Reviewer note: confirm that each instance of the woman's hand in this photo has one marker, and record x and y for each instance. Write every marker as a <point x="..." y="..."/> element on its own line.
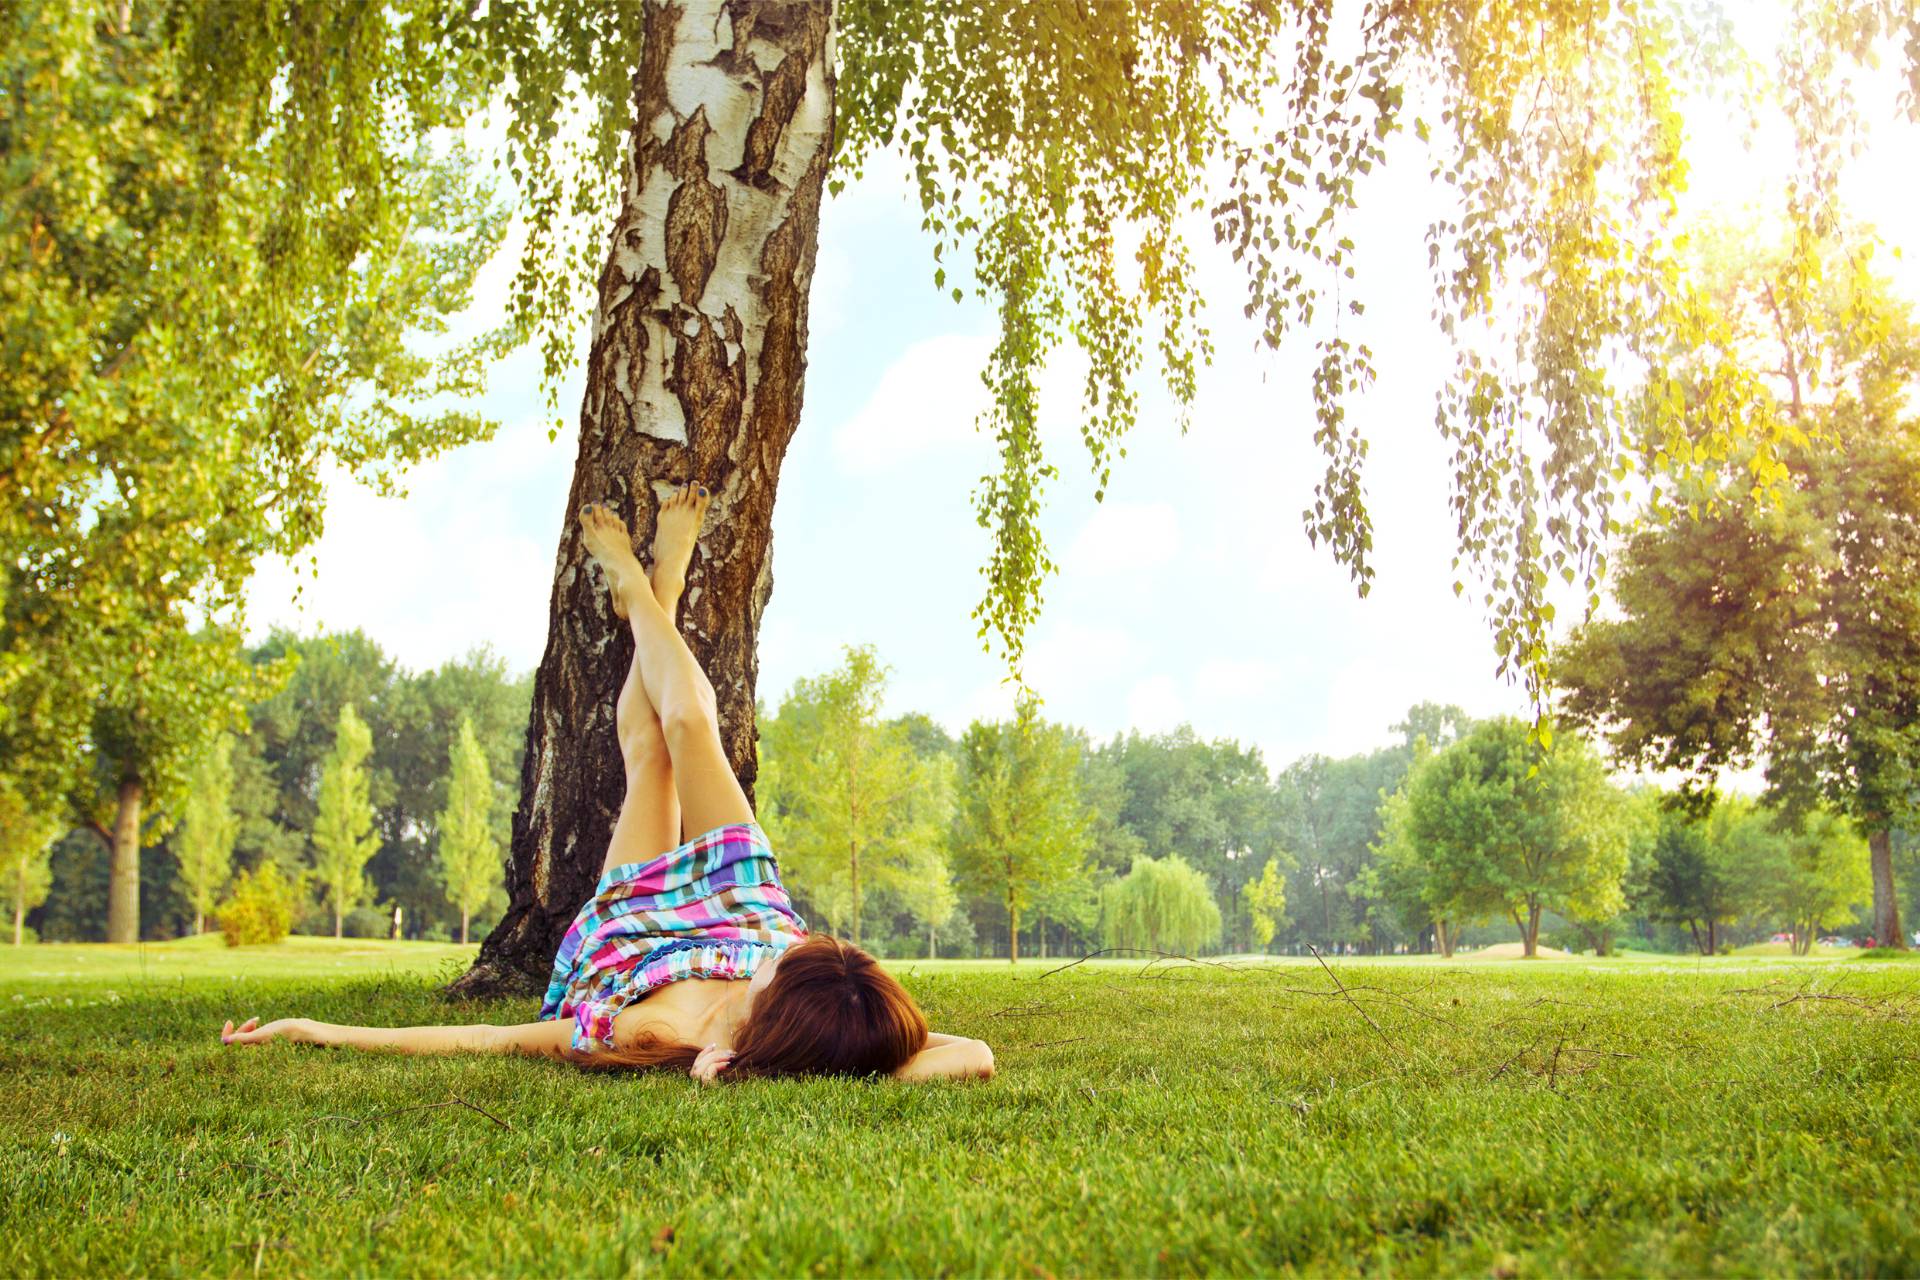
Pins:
<point x="297" y="1030"/>
<point x="711" y="1062"/>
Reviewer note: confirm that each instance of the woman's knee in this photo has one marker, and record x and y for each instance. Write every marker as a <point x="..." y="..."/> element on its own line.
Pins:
<point x="690" y="719"/>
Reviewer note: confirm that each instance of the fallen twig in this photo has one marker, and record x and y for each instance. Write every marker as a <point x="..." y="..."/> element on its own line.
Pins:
<point x="1141" y="951"/>
<point x="1037" y="1008"/>
<point x="1069" y="1040"/>
<point x="1343" y="991"/>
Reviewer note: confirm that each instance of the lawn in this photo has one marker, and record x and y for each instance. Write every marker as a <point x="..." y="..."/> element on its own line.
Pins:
<point x="1732" y="1116"/>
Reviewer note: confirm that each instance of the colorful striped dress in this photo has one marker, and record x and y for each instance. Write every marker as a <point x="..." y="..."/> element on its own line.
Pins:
<point x="712" y="908"/>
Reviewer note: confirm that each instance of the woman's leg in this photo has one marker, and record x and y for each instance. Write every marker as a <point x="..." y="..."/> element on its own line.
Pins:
<point x="649" y="822"/>
<point x="670" y="676"/>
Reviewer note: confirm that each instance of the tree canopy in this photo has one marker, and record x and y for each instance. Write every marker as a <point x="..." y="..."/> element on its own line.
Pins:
<point x="1789" y="628"/>
<point x="1507" y="826"/>
<point x="1075" y="151"/>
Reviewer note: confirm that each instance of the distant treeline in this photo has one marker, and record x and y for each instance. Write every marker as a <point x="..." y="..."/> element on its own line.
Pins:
<point x="1031" y="834"/>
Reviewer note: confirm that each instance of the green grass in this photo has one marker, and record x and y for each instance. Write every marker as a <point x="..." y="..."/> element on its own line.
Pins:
<point x="1675" y="1117"/>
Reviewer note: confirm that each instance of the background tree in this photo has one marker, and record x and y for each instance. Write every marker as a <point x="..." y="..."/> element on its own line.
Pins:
<point x="1790" y="628"/>
<point x="1209" y="801"/>
<point x="850" y="804"/>
<point x="1405" y="880"/>
<point x="1266" y="900"/>
<point x="343" y="835"/>
<point x="1329" y="813"/>
<point x="145" y="194"/>
<point x="1161" y="904"/>
<point x="208" y="831"/>
<point x="1020" y="827"/>
<point x="1691" y="880"/>
<point x="1519" y="825"/>
<point x="1808" y="870"/>
<point x="26" y="840"/>
<point x="469" y="858"/>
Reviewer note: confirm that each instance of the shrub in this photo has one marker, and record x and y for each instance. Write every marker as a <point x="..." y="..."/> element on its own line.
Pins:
<point x="260" y="908"/>
<point x="367" y="922"/>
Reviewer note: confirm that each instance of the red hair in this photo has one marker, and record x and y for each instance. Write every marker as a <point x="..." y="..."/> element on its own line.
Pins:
<point x="830" y="1009"/>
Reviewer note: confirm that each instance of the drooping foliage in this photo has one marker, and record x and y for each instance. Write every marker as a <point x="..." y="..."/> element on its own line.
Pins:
<point x="1076" y="151"/>
<point x="1163" y="905"/>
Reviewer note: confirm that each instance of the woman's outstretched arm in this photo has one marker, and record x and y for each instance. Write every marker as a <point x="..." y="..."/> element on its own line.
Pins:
<point x="550" y="1039"/>
<point x="948" y="1058"/>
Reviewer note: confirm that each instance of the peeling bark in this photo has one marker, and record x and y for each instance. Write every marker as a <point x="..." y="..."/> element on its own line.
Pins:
<point x="695" y="372"/>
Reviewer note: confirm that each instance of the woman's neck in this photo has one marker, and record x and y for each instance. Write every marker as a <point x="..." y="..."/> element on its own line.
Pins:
<point x="724" y="1016"/>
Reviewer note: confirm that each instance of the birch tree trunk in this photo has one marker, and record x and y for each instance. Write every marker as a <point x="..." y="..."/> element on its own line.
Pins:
<point x="123" y="866"/>
<point x="695" y="372"/>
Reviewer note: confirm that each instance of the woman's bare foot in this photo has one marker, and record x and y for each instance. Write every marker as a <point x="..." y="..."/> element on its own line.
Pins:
<point x="674" y="534"/>
<point x="611" y="547"/>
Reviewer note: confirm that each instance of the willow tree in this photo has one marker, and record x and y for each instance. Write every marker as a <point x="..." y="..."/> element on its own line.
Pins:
<point x="1063" y="154"/>
<point x="1161" y="903"/>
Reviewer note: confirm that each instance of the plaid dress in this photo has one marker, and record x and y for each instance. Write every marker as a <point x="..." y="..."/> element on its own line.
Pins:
<point x="712" y="908"/>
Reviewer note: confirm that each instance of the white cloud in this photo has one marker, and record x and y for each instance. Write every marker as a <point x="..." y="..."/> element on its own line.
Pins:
<point x="1123" y="537"/>
<point x="465" y="559"/>
<point x="1155" y="705"/>
<point x="1070" y="658"/>
<point x="1235" y="679"/>
<point x="925" y="401"/>
<point x="990" y="701"/>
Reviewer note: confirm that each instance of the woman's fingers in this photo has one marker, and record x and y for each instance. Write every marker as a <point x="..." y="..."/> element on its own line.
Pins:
<point x="242" y="1034"/>
<point x="711" y="1061"/>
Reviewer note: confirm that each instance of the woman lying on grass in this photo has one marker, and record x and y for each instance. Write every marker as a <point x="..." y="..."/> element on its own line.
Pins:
<point x="698" y="946"/>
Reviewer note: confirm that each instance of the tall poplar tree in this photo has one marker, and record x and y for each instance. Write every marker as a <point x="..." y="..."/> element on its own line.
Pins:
<point x="849" y="804"/>
<point x="1020" y="826"/>
<point x="26" y="847"/>
<point x="208" y="831"/>
<point x="469" y="861"/>
<point x="343" y="834"/>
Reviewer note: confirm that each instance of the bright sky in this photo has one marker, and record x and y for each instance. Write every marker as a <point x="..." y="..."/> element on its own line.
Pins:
<point x="1189" y="595"/>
